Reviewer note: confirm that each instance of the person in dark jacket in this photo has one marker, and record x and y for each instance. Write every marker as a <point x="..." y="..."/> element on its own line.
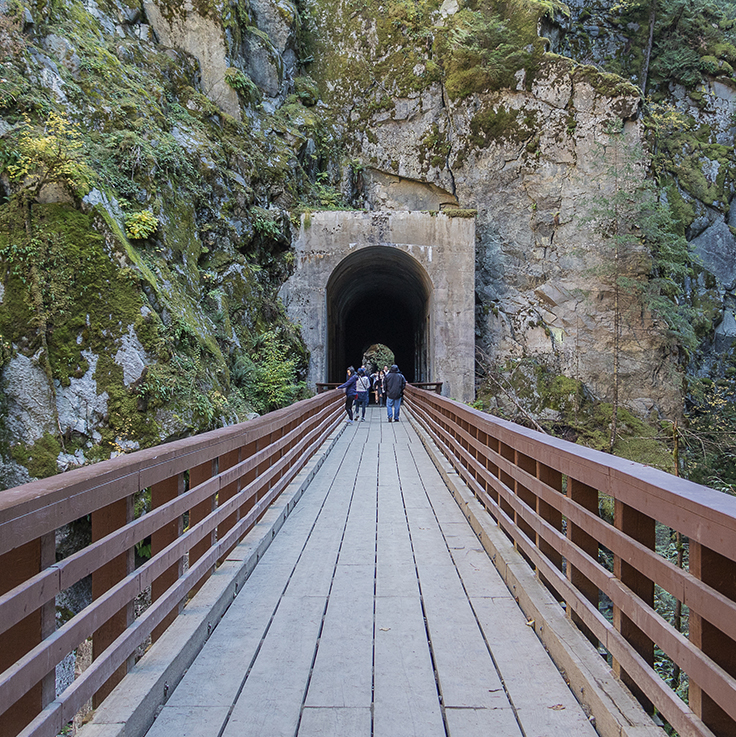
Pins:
<point x="362" y="387"/>
<point x="350" y="393"/>
<point x="393" y="385"/>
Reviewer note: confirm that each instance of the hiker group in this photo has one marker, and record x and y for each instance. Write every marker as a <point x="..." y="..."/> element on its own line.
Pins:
<point x="387" y="387"/>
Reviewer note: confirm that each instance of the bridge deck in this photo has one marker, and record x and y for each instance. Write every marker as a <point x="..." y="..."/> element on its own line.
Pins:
<point x="374" y="612"/>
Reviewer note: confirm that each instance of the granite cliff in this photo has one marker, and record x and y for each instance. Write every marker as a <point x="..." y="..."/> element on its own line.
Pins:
<point x="155" y="155"/>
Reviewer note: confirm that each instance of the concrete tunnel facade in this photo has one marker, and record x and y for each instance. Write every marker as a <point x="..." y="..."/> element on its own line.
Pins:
<point x="404" y="279"/>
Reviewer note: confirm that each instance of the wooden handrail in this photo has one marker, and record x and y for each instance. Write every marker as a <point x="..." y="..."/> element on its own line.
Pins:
<point x="435" y="386"/>
<point x="544" y="494"/>
<point x="235" y="473"/>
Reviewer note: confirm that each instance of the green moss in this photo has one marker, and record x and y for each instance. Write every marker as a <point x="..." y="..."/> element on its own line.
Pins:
<point x="499" y="124"/>
<point x="39" y="457"/>
<point x="434" y="148"/>
<point x="243" y="85"/>
<point x="459" y="213"/>
<point x="609" y="85"/>
<point x="580" y="417"/>
<point x="87" y="297"/>
<point x="683" y="212"/>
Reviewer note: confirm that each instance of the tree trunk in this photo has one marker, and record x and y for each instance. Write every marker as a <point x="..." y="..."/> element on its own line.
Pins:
<point x="36" y="288"/>
<point x="616" y="348"/>
<point x="648" y="50"/>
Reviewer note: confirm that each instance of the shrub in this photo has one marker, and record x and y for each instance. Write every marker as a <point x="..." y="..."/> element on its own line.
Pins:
<point x="141" y="225"/>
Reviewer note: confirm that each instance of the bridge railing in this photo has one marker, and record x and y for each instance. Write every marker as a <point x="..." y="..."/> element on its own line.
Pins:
<point x="546" y="493"/>
<point x="206" y="492"/>
<point x="434" y="386"/>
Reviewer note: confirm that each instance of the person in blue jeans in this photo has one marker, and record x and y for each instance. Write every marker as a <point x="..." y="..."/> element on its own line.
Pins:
<point x="362" y="387"/>
<point x="393" y="385"/>
<point x="350" y="392"/>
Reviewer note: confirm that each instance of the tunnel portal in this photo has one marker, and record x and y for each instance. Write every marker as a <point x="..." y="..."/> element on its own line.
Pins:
<point x="402" y="278"/>
<point x="378" y="294"/>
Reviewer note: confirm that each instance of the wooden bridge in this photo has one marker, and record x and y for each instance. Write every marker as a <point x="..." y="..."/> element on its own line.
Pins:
<point x="450" y="574"/>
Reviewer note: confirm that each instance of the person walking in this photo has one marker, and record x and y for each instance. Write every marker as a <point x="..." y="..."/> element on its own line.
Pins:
<point x="394" y="384"/>
<point x="350" y="392"/>
<point x="378" y="387"/>
<point x="362" y="387"/>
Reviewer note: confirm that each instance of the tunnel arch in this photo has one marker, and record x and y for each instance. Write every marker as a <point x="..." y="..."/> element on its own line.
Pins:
<point x="379" y="294"/>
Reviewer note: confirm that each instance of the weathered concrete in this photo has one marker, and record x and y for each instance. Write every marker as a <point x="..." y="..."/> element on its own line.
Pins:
<point x="423" y="262"/>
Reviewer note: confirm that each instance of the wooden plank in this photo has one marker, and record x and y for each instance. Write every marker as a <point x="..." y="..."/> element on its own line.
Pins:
<point x="479" y="575"/>
<point x="335" y="722"/>
<point x="482" y="723"/>
<point x="395" y="570"/>
<point x="467" y="675"/>
<point x="544" y="703"/>
<point x="271" y="700"/>
<point x="406" y="701"/>
<point x="343" y="671"/>
<point x="217" y="674"/>
<point x="189" y="721"/>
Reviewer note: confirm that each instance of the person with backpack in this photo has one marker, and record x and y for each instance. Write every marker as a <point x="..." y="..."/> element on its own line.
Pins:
<point x="350" y="392"/>
<point x="362" y="388"/>
<point x="393" y="385"/>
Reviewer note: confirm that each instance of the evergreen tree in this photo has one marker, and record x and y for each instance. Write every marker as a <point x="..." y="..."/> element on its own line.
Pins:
<point x="643" y="260"/>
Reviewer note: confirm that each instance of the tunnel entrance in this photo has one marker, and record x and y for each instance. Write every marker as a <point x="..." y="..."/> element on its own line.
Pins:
<point x="378" y="294"/>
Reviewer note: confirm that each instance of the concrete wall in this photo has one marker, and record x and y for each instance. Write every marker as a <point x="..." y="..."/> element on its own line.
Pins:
<point x="443" y="246"/>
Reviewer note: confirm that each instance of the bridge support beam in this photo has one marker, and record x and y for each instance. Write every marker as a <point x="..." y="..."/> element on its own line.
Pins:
<point x="641" y="528"/>
<point x="18" y="566"/>
<point x="104" y="521"/>
<point x="161" y="493"/>
<point x="720" y="573"/>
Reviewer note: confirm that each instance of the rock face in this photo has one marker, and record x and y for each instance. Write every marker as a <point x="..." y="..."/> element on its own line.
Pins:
<point x="695" y="93"/>
<point x="530" y="159"/>
<point x="199" y="118"/>
<point x="204" y="39"/>
<point x="256" y="39"/>
<point x="113" y="338"/>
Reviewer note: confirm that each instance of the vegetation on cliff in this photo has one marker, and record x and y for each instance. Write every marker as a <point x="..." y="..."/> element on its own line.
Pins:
<point x="161" y="232"/>
<point x="144" y="233"/>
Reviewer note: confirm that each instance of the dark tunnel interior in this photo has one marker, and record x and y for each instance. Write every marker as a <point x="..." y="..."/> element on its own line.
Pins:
<point x="378" y="294"/>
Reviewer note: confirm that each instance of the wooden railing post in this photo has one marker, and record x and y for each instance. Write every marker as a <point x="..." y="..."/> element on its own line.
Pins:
<point x="586" y="496"/>
<point x="104" y="521"/>
<point x="553" y="479"/>
<point x="720" y="573"/>
<point x="17" y="566"/>
<point x="642" y="529"/>
<point x="228" y="460"/>
<point x="161" y="493"/>
<point x="527" y="496"/>
<point x="199" y="512"/>
<point x="246" y="452"/>
<point x="507" y="452"/>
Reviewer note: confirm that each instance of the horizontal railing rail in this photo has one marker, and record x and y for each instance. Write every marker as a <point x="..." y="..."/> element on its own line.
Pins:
<point x="434" y="386"/>
<point x="545" y="494"/>
<point x="206" y="493"/>
<point x="431" y="386"/>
